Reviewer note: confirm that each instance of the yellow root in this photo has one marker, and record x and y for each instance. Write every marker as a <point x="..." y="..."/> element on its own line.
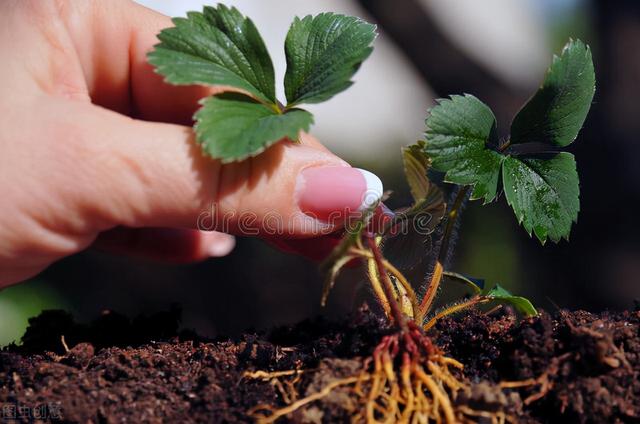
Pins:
<point x="276" y="414"/>
<point x="542" y="381"/>
<point x="289" y="393"/>
<point x="495" y="417"/>
<point x="411" y="394"/>
<point x="263" y="375"/>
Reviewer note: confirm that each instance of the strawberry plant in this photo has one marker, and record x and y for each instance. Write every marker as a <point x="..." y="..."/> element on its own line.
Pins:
<point x="407" y="379"/>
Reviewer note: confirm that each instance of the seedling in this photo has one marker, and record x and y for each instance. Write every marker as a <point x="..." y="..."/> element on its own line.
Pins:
<point x="408" y="379"/>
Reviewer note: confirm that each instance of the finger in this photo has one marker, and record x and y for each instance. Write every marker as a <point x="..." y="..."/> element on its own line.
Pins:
<point x="311" y="141"/>
<point x="316" y="249"/>
<point x="166" y="245"/>
<point x="145" y="174"/>
<point x="114" y="60"/>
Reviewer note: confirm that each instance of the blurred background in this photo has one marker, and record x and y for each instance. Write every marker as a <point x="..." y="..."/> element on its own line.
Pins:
<point x="497" y="50"/>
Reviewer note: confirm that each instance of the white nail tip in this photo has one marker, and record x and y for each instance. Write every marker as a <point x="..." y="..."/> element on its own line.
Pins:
<point x="374" y="190"/>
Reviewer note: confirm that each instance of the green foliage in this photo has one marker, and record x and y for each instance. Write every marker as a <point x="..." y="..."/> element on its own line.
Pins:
<point x="233" y="126"/>
<point x="541" y="186"/>
<point x="474" y="284"/>
<point x="521" y="304"/>
<point x="323" y="52"/>
<point x="216" y="47"/>
<point x="543" y="194"/>
<point x="497" y="293"/>
<point x="556" y="113"/>
<point x="458" y="132"/>
<point x="220" y="47"/>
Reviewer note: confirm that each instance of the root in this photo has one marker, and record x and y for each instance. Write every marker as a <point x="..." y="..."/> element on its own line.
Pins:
<point x="406" y="380"/>
<point x="287" y="389"/>
<point x="494" y="417"/>
<point x="64" y="344"/>
<point x="277" y="413"/>
<point x="544" y="380"/>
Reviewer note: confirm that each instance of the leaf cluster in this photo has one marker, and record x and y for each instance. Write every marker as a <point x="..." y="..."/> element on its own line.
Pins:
<point x="539" y="181"/>
<point x="220" y="47"/>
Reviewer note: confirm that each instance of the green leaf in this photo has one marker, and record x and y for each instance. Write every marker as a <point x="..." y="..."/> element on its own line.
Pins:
<point x="543" y="191"/>
<point x="458" y="132"/>
<point x="474" y="284"/>
<point x="544" y="194"/>
<point x="522" y="304"/>
<point x="556" y="113"/>
<point x="232" y="126"/>
<point x="323" y="52"/>
<point x="216" y="47"/>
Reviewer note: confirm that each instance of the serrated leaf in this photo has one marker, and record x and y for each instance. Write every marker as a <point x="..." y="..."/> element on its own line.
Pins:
<point x="522" y="304"/>
<point x="217" y="47"/>
<point x="323" y="52"/>
<point x="232" y="127"/>
<point x="458" y="132"/>
<point x="544" y="194"/>
<point x="556" y="113"/>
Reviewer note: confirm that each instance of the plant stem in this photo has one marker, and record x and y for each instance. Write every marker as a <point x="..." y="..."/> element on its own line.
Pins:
<point x="377" y="285"/>
<point x="504" y="147"/>
<point x="411" y="294"/>
<point x="455" y="308"/>
<point x="436" y="277"/>
<point x="432" y="289"/>
<point x="387" y="286"/>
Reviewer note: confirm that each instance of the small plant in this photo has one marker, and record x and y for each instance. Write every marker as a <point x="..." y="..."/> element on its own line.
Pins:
<point x="407" y="379"/>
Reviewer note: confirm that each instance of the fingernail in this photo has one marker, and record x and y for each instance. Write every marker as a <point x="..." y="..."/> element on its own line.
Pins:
<point x="334" y="192"/>
<point x="220" y="244"/>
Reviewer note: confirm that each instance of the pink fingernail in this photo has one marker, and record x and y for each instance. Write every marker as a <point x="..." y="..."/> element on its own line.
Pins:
<point x="334" y="192"/>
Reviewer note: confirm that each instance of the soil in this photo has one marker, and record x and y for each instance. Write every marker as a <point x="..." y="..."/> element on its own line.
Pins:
<point x="581" y="367"/>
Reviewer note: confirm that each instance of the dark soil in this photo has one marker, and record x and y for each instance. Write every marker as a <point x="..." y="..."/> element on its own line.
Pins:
<point x="117" y="370"/>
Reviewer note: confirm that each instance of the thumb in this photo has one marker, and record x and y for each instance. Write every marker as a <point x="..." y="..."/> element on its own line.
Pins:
<point x="157" y="177"/>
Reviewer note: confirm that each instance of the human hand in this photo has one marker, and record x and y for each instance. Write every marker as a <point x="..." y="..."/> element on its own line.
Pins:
<point x="95" y="148"/>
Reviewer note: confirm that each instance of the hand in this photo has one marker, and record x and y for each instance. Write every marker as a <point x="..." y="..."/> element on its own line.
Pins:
<point x="94" y="146"/>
